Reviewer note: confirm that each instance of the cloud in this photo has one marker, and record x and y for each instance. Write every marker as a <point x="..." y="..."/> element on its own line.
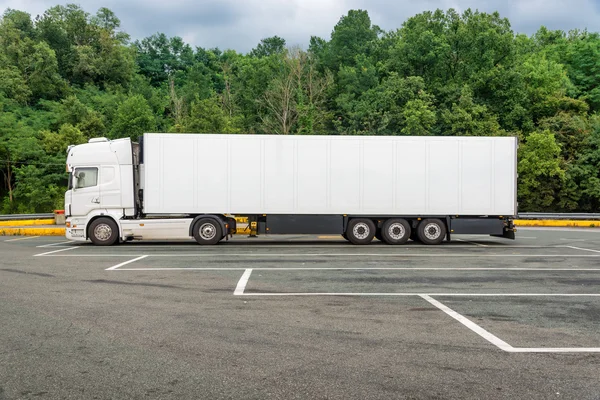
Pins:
<point x="242" y="24"/>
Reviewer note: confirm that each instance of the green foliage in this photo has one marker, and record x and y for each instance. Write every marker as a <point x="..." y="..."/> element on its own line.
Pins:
<point x="133" y="117"/>
<point x="70" y="75"/>
<point x="540" y="172"/>
<point x="269" y="46"/>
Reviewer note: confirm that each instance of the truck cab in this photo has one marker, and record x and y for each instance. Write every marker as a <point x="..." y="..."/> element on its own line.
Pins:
<point x="101" y="183"/>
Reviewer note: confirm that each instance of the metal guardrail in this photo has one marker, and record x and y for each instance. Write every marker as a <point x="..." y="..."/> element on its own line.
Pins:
<point x="20" y="217"/>
<point x="558" y="216"/>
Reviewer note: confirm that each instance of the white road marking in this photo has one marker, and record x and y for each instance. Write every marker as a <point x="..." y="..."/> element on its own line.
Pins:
<point x="56" y="251"/>
<point x="56" y="244"/>
<point x="429" y="294"/>
<point x="125" y="263"/>
<point x="573" y="240"/>
<point x="241" y="286"/>
<point x="555" y="350"/>
<point x="496" y="341"/>
<point x="23" y="238"/>
<point x="356" y="269"/>
<point x="526" y="237"/>
<point x="501" y="344"/>
<point x="581" y="248"/>
<point x="475" y="243"/>
<point x="340" y="255"/>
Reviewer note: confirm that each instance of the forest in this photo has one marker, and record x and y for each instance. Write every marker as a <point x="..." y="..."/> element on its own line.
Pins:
<point x="69" y="75"/>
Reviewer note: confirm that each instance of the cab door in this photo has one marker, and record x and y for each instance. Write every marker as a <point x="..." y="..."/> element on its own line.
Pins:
<point x="85" y="194"/>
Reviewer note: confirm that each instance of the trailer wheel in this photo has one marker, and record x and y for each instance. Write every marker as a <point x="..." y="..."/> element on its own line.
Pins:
<point x="431" y="231"/>
<point x="360" y="231"/>
<point x="395" y="231"/>
<point x="207" y="231"/>
<point x="103" y="232"/>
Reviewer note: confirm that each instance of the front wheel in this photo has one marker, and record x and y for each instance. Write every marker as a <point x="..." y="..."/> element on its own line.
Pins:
<point x="361" y="231"/>
<point x="103" y="232"/>
<point x="431" y="231"/>
<point x="208" y="231"/>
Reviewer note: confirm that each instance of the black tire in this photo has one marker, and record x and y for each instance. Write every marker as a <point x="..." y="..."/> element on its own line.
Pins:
<point x="208" y="231"/>
<point x="103" y="232"/>
<point x="395" y="231"/>
<point x="431" y="231"/>
<point x="361" y="231"/>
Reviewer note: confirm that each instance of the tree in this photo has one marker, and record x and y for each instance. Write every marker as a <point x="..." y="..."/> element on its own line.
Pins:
<point x="466" y="118"/>
<point x="133" y="118"/>
<point x="540" y="173"/>
<point x="159" y="57"/>
<point x="352" y="36"/>
<point x="268" y="47"/>
<point x="207" y="116"/>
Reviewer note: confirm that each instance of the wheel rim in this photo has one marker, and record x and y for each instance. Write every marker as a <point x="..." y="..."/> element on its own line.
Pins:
<point x="432" y="231"/>
<point x="361" y="230"/>
<point x="208" y="231"/>
<point x="396" y="231"/>
<point x="102" y="232"/>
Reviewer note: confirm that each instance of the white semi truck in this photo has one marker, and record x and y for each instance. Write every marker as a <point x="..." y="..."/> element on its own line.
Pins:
<point x="394" y="188"/>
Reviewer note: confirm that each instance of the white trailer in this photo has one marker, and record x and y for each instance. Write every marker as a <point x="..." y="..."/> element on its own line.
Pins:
<point x="390" y="187"/>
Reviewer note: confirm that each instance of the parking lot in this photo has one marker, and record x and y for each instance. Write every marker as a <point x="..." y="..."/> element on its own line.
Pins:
<point x="302" y="317"/>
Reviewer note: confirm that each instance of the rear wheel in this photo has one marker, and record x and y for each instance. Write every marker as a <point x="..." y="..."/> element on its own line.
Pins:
<point x="395" y="231"/>
<point x="360" y="231"/>
<point x="103" y="232"/>
<point x="431" y="231"/>
<point x="208" y="231"/>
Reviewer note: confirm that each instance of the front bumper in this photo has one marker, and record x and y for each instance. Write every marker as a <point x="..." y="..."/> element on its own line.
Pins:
<point x="75" y="230"/>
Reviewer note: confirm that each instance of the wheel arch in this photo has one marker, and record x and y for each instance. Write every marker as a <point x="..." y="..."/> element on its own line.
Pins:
<point x="95" y="217"/>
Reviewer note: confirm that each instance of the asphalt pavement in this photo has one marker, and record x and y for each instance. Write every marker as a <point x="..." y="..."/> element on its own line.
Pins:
<point x="301" y="317"/>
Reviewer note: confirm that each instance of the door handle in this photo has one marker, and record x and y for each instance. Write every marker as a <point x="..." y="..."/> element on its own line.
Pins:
<point x="96" y="200"/>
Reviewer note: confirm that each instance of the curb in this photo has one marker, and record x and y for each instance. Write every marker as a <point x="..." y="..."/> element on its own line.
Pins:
<point x="32" y="231"/>
<point x="558" y="223"/>
<point x="28" y="222"/>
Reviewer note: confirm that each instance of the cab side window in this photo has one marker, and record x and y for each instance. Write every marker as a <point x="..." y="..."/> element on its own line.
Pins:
<point x="86" y="177"/>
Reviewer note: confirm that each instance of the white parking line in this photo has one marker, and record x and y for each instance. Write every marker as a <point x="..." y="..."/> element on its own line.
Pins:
<point x="573" y="240"/>
<point x="475" y="243"/>
<point x="351" y="294"/>
<point x="125" y="263"/>
<point x="339" y="255"/>
<point x="23" y="238"/>
<point x="581" y="248"/>
<point x="55" y="244"/>
<point x="496" y="341"/>
<point x="241" y="286"/>
<point x="57" y="251"/>
<point x="356" y="269"/>
<point x="501" y="344"/>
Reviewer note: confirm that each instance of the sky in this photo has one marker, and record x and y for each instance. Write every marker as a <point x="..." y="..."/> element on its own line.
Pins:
<point x="241" y="24"/>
